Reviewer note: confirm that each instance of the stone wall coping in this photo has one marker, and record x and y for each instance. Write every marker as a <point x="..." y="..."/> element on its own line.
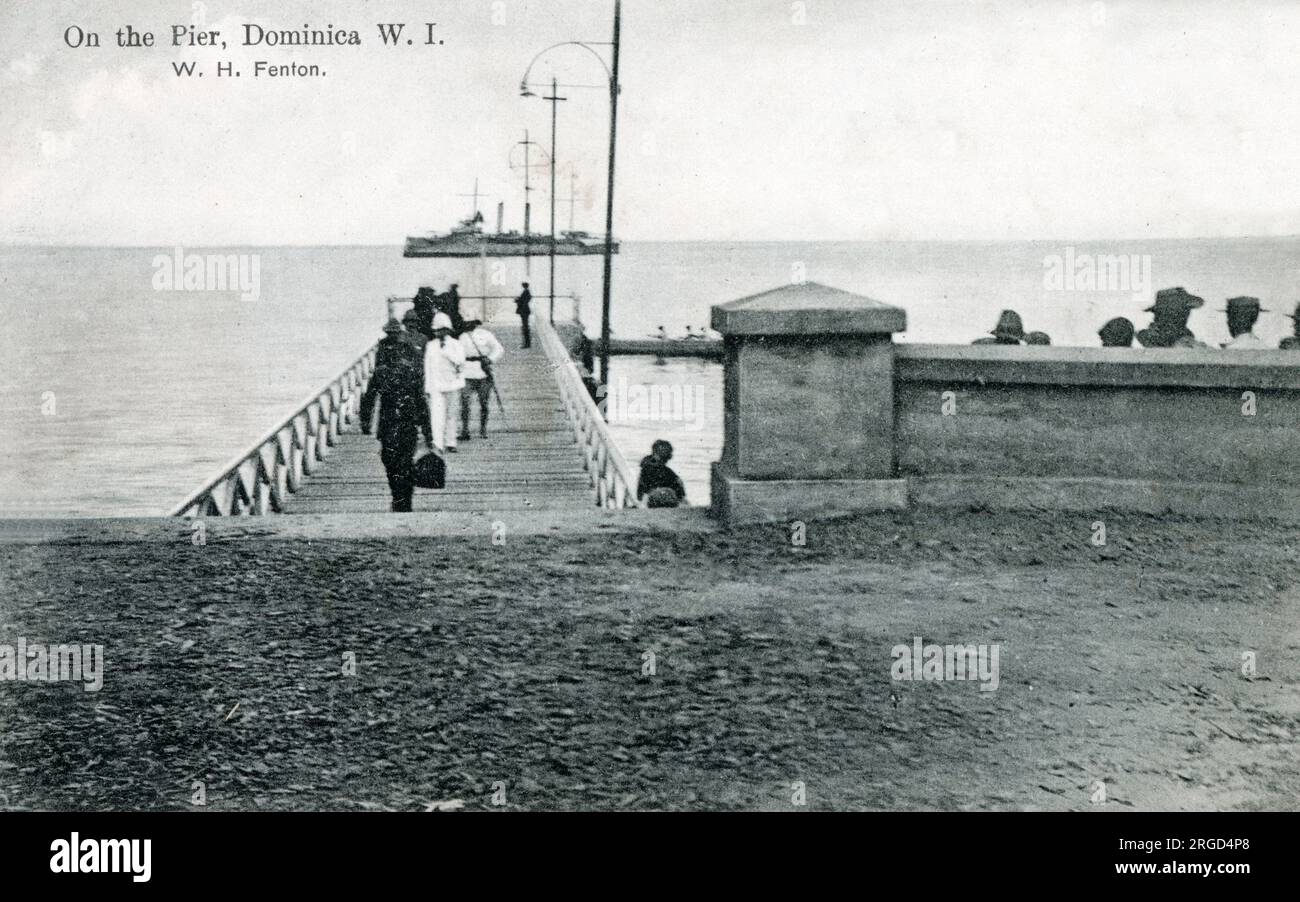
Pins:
<point x="1025" y="365"/>
<point x="808" y="308"/>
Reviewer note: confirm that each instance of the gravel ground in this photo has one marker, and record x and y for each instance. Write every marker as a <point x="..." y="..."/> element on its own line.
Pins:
<point x="513" y="676"/>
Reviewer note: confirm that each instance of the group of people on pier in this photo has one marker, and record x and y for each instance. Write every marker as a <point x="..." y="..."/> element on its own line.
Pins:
<point x="433" y="363"/>
<point x="1168" y="329"/>
<point x="428" y="368"/>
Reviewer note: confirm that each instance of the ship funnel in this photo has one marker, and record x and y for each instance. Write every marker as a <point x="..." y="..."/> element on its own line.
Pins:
<point x="501" y="217"/>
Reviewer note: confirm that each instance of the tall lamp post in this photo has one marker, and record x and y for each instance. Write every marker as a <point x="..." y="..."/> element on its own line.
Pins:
<point x="614" y="89"/>
<point x="555" y="100"/>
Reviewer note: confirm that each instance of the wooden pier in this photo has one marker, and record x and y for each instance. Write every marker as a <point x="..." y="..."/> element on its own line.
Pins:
<point x="551" y="451"/>
<point x="527" y="462"/>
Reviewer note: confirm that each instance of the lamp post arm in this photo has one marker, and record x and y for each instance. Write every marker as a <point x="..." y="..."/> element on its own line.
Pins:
<point x="583" y="44"/>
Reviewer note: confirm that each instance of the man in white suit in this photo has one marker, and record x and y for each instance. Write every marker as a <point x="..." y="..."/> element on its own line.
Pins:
<point x="444" y="364"/>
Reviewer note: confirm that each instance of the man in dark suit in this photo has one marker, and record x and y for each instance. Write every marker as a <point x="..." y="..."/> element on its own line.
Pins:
<point x="425" y="307"/>
<point x="398" y="385"/>
<point x="524" y="307"/>
<point x="451" y="307"/>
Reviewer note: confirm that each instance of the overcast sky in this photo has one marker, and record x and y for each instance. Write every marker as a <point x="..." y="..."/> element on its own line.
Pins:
<point x="740" y="120"/>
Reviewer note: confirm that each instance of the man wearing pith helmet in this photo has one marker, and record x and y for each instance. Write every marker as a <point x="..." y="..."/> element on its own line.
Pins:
<point x="444" y="361"/>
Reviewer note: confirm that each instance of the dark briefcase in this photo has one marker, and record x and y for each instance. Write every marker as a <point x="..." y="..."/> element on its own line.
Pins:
<point x="430" y="472"/>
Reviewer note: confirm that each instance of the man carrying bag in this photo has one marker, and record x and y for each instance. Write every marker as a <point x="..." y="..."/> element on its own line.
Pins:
<point x="482" y="351"/>
<point x="398" y="385"/>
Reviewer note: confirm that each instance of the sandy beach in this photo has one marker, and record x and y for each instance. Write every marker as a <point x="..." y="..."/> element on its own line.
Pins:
<point x="516" y="676"/>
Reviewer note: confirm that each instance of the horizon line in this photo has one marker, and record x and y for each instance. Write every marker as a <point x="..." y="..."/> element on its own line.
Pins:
<point x="9" y="243"/>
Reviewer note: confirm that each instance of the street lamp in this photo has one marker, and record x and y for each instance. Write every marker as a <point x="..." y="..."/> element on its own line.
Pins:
<point x="555" y="100"/>
<point x="614" y="89"/>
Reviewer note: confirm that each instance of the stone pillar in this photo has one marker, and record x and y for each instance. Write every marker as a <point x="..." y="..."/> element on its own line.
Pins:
<point x="809" y="406"/>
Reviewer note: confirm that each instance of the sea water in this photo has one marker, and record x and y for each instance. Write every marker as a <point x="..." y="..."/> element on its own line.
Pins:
<point x="118" y="397"/>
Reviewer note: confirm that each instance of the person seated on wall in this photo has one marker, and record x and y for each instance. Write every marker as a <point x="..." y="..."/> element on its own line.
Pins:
<point x="1118" y="333"/>
<point x="659" y="485"/>
<point x="1243" y="313"/>
<point x="1170" y="313"/>
<point x="1292" y="342"/>
<point x="1038" y="338"/>
<point x="1010" y="330"/>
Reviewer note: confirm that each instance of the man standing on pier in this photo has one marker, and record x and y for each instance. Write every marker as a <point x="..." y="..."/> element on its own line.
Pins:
<point x="482" y="351"/>
<point x="425" y="307"/>
<point x="398" y="385"/>
<point x="451" y="303"/>
<point x="524" y="307"/>
<point x="444" y="363"/>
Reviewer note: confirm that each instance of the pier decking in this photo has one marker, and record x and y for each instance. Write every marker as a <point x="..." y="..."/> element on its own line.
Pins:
<point x="528" y="462"/>
<point x="550" y="450"/>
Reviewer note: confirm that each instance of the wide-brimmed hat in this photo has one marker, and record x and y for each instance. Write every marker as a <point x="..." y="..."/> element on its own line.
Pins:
<point x="1243" y="305"/>
<point x="442" y="321"/>
<point x="1175" y="300"/>
<point x="1009" y="326"/>
<point x="1117" y="333"/>
<point x="1296" y="314"/>
<point x="393" y="327"/>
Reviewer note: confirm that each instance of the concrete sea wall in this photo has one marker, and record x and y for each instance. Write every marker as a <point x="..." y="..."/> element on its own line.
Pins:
<point x="1185" y="431"/>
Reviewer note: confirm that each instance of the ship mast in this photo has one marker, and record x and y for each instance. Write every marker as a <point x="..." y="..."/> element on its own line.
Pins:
<point x="572" y="199"/>
<point x="476" y="195"/>
<point x="529" y="146"/>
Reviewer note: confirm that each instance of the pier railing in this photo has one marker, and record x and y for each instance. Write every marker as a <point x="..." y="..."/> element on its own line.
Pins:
<point x="611" y="477"/>
<point x="260" y="480"/>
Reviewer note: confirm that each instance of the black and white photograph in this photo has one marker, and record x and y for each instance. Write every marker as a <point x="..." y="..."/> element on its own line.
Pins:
<point x="420" y="412"/>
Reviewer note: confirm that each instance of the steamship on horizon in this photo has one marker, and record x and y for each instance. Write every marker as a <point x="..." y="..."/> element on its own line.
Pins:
<point x="469" y="240"/>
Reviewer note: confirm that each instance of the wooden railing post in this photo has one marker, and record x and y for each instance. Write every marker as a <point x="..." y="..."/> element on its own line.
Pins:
<point x="612" y="481"/>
